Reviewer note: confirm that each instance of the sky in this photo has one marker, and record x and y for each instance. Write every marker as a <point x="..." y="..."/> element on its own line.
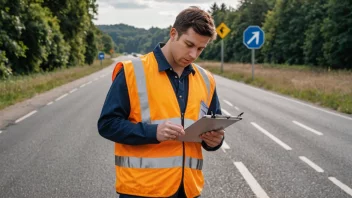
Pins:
<point x="148" y="13"/>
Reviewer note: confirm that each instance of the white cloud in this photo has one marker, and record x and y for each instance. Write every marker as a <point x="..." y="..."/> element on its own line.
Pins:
<point x="124" y="4"/>
<point x="185" y="1"/>
<point x="148" y="13"/>
<point x="168" y="13"/>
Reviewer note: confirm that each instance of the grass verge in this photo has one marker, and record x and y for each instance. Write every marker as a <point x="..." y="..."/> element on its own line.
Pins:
<point x="330" y="89"/>
<point x="19" y="88"/>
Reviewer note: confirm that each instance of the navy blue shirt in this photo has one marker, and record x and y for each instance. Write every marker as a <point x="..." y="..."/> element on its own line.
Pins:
<point x="113" y="123"/>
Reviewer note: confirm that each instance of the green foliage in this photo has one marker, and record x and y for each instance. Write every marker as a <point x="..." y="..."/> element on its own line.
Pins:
<point x="5" y="71"/>
<point x="37" y="35"/>
<point x="313" y="42"/>
<point x="337" y="33"/>
<point x="11" y="28"/>
<point x="130" y="39"/>
<point x="284" y="38"/>
<point x="108" y="44"/>
<point x="297" y="32"/>
<point x="91" y="47"/>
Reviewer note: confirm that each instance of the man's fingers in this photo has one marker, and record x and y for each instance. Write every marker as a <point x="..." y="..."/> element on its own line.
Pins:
<point x="218" y="132"/>
<point x="175" y="127"/>
<point x="170" y="137"/>
<point x="214" y="134"/>
<point x="172" y="132"/>
<point x="212" y="139"/>
<point x="210" y="143"/>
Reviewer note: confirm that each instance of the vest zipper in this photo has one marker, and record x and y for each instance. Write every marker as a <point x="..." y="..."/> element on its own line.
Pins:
<point x="183" y="148"/>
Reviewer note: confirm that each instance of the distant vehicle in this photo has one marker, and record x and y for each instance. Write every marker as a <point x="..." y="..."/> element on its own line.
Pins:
<point x="134" y="54"/>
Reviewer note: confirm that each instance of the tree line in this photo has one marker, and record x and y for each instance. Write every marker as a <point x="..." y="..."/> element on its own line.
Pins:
<point x="41" y="35"/>
<point x="131" y="39"/>
<point x="297" y="32"/>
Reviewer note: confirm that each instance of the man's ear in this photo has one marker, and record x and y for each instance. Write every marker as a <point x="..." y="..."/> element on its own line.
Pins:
<point x="173" y="34"/>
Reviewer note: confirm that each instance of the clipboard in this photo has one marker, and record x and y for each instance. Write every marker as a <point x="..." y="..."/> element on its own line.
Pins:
<point x="208" y="123"/>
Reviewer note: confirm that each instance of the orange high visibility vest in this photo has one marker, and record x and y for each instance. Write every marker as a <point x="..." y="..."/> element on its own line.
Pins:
<point x="155" y="170"/>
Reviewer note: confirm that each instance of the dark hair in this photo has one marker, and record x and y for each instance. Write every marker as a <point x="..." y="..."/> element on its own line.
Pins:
<point x="201" y="22"/>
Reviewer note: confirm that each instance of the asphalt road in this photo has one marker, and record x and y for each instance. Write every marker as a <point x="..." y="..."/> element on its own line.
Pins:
<point x="282" y="148"/>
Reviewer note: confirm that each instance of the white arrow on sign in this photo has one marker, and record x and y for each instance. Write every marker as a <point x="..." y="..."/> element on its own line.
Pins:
<point x="255" y="36"/>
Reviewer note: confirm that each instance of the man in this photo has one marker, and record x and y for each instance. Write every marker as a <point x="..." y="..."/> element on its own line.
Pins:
<point x="150" y="102"/>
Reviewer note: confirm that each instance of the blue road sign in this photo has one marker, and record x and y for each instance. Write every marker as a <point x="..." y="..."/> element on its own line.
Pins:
<point x="253" y="37"/>
<point x="101" y="55"/>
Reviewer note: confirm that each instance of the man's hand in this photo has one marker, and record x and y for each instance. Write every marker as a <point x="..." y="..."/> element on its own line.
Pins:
<point x="169" y="131"/>
<point x="213" y="138"/>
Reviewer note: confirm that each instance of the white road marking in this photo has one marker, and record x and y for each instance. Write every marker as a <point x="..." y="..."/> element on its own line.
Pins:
<point x="304" y="104"/>
<point x="95" y="79"/>
<point x="61" y="97"/>
<point x="50" y="103"/>
<point x="285" y="146"/>
<point x="311" y="164"/>
<point x="101" y="76"/>
<point x="237" y="108"/>
<point x="252" y="182"/>
<point x="26" y="116"/>
<point x="0" y="132"/>
<point x="89" y="82"/>
<point x="82" y="85"/>
<point x="343" y="186"/>
<point x="308" y="128"/>
<point x="73" y="90"/>
<point x="227" y="102"/>
<point x="225" y="112"/>
<point x="224" y="146"/>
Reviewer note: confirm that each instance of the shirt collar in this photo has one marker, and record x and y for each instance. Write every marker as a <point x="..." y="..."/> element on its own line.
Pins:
<point x="162" y="62"/>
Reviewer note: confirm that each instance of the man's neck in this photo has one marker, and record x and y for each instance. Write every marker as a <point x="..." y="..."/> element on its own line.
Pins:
<point x="166" y="52"/>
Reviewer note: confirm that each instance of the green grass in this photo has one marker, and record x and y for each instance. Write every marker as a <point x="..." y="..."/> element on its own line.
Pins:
<point x="332" y="98"/>
<point x="19" y="88"/>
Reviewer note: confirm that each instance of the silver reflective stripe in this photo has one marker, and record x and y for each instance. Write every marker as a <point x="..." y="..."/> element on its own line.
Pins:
<point x="188" y="122"/>
<point x="173" y="120"/>
<point x="193" y="163"/>
<point x="166" y="162"/>
<point x="136" y="162"/>
<point x="205" y="77"/>
<point x="142" y="89"/>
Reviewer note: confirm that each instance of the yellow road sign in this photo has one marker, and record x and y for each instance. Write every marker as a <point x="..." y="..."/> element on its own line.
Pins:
<point x="222" y="30"/>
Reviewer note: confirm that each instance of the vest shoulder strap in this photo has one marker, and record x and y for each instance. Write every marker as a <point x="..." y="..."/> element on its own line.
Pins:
<point x="208" y="79"/>
<point x="117" y="68"/>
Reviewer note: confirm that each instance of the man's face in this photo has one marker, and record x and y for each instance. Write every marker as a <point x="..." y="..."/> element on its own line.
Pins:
<point x="188" y="47"/>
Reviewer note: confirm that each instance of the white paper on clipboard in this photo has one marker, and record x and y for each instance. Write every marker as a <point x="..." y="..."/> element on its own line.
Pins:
<point x="207" y="123"/>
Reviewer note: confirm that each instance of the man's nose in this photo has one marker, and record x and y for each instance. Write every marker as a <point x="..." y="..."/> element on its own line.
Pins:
<point x="193" y="53"/>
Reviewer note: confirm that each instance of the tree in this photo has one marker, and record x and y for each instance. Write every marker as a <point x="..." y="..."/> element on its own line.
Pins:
<point x="91" y="47"/>
<point x="107" y="43"/>
<point x="313" y="41"/>
<point x="11" y="29"/>
<point x="336" y="30"/>
<point x="287" y="32"/>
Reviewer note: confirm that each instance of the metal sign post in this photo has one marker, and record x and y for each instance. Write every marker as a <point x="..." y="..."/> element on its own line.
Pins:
<point x="101" y="57"/>
<point x="222" y="31"/>
<point x="253" y="38"/>
<point x="253" y="62"/>
<point x="222" y="55"/>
